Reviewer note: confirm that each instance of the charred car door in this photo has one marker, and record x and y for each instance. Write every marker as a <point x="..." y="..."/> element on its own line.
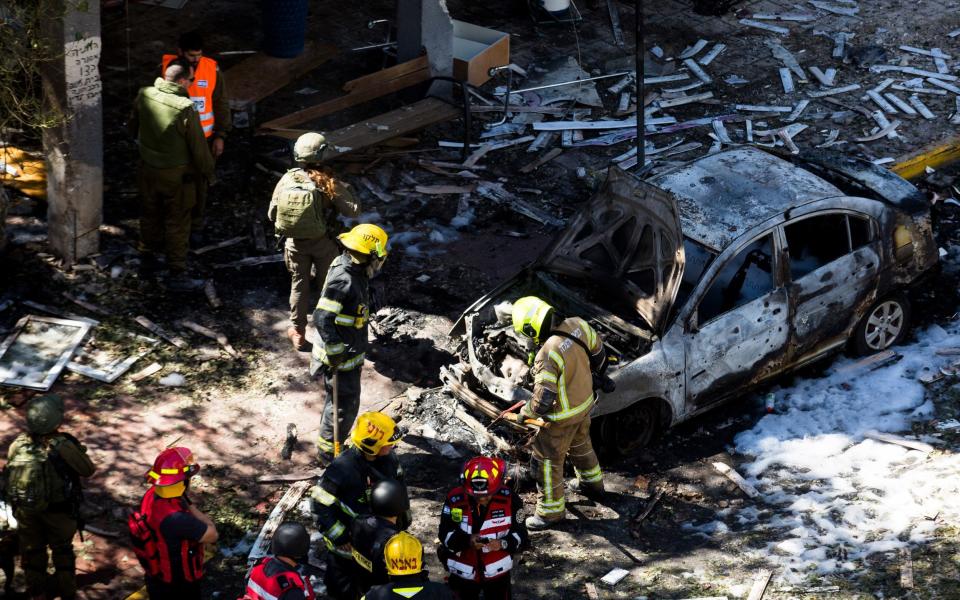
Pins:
<point x="739" y="331"/>
<point x="834" y="261"/>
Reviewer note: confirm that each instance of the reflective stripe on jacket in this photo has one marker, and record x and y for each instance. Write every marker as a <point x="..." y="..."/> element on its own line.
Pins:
<point x="341" y="315"/>
<point x="201" y="91"/>
<point x="562" y="371"/>
<point x="499" y="524"/>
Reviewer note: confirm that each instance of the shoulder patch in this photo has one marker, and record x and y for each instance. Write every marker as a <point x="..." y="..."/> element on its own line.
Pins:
<point x="457" y="515"/>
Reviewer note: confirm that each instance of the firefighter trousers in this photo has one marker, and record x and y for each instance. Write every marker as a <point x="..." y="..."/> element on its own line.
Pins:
<point x="348" y="399"/>
<point x="308" y="261"/>
<point x="554" y="444"/>
<point x="166" y="199"/>
<point x="495" y="589"/>
<point x="55" y="530"/>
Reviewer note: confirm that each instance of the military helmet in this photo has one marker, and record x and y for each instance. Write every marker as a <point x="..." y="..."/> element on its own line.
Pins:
<point x="389" y="498"/>
<point x="403" y="555"/>
<point x="291" y="540"/>
<point x="373" y="431"/>
<point x="44" y="414"/>
<point x="309" y="147"/>
<point x="530" y="314"/>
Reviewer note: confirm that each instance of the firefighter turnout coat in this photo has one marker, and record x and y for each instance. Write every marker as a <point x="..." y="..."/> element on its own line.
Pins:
<point x="341" y="316"/>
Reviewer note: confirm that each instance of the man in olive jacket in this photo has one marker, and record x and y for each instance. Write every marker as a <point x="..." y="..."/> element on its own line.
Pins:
<point x="43" y="471"/>
<point x="173" y="155"/>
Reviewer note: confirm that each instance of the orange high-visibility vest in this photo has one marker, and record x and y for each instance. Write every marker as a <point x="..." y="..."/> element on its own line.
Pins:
<point x="201" y="92"/>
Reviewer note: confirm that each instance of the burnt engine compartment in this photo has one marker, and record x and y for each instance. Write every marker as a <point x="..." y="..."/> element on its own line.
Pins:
<point x="494" y="359"/>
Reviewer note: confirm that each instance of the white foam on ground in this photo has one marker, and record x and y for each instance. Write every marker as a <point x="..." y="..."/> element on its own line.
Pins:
<point x="838" y="497"/>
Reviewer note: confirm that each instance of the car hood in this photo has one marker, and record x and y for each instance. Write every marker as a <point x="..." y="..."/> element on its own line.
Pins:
<point x="627" y="239"/>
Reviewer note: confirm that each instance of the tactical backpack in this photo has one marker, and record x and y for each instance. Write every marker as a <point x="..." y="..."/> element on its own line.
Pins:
<point x="300" y="212"/>
<point x="33" y="481"/>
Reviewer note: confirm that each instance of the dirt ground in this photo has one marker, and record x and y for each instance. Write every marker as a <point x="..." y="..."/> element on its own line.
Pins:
<point x="234" y="413"/>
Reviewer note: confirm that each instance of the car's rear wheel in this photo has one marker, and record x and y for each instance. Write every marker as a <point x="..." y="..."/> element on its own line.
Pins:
<point x="630" y="430"/>
<point x="885" y="324"/>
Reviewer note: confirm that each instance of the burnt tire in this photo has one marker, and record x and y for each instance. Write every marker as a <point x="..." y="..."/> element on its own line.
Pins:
<point x="886" y="324"/>
<point x="628" y="431"/>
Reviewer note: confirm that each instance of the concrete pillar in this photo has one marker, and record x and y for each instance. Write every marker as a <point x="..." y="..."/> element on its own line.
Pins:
<point x="74" y="150"/>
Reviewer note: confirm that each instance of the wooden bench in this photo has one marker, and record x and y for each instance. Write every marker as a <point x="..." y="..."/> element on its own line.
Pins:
<point x="376" y="130"/>
<point x="248" y="81"/>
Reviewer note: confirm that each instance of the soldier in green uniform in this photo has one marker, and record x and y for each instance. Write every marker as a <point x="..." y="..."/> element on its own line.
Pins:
<point x="173" y="155"/>
<point x="43" y="472"/>
<point x="304" y="210"/>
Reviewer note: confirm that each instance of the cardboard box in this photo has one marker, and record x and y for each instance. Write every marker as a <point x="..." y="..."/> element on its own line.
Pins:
<point x="476" y="50"/>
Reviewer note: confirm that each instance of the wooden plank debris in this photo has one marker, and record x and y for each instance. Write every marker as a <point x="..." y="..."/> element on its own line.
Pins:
<point x="211" y="293"/>
<point x="826" y="78"/>
<point x="899" y="441"/>
<point x="789" y="17"/>
<point x="732" y="475"/>
<point x="291" y="477"/>
<point x="906" y="569"/>
<point x="665" y="78"/>
<point x="797" y="111"/>
<point x="261" y="546"/>
<point x="693" y="50"/>
<point x="494" y="440"/>
<point x="519" y="108"/>
<point x="874" y="360"/>
<point x="900" y="104"/>
<point x="885" y="132"/>
<point x="849" y="11"/>
<point x="698" y="72"/>
<point x="765" y="26"/>
<point x="721" y="132"/>
<point x="614" y="12"/>
<point x="59" y="313"/>
<point x="490" y="147"/>
<point x="708" y="58"/>
<point x="649" y="508"/>
<point x="786" y="79"/>
<point x="834" y="91"/>
<point x="248" y="84"/>
<point x="84" y="304"/>
<point x="763" y="108"/>
<point x="934" y="53"/>
<point x="940" y="84"/>
<point x="918" y="90"/>
<point x="252" y="261"/>
<point x="881" y="102"/>
<point x="147" y="371"/>
<point x="913" y="71"/>
<point x="760" y="584"/>
<point x="156" y="329"/>
<point x="594" y="125"/>
<point x="671" y="102"/>
<point x="219" y="245"/>
<point x="591" y="591"/>
<point x="497" y="193"/>
<point x="213" y="335"/>
<point x="443" y="190"/>
<point x="541" y="160"/>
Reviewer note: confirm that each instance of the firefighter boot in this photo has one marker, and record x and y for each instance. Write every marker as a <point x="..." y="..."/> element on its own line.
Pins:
<point x="593" y="491"/>
<point x="538" y="523"/>
<point x="298" y="339"/>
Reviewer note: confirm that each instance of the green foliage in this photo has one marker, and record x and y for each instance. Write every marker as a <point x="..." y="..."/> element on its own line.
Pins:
<point x="25" y="47"/>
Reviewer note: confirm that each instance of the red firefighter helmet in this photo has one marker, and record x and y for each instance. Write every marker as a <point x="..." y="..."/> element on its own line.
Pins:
<point x="483" y="475"/>
<point x="172" y="466"/>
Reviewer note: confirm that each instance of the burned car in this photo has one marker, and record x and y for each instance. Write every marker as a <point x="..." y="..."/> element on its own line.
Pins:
<point x="710" y="279"/>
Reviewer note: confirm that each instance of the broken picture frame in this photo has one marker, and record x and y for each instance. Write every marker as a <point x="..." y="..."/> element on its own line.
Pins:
<point x="38" y="349"/>
<point x="107" y="362"/>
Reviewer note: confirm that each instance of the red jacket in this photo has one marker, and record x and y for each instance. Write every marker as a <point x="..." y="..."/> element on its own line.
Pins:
<point x="271" y="579"/>
<point x="463" y="517"/>
<point x="151" y="547"/>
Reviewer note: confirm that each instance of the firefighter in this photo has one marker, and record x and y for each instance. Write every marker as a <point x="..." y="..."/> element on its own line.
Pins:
<point x="344" y="491"/>
<point x="277" y="578"/>
<point x="569" y="355"/>
<point x="208" y="92"/>
<point x="341" y="320"/>
<point x="408" y="581"/>
<point x="390" y="505"/>
<point x="481" y="531"/>
<point x="169" y="531"/>
<point x="173" y="157"/>
<point x="44" y="467"/>
<point x="304" y="209"/>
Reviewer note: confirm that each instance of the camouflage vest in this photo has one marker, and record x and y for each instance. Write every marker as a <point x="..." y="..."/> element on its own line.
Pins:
<point x="33" y="483"/>
<point x="299" y="207"/>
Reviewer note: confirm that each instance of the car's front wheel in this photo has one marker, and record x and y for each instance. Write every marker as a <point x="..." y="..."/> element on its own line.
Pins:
<point x="885" y="324"/>
<point x="630" y="430"/>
